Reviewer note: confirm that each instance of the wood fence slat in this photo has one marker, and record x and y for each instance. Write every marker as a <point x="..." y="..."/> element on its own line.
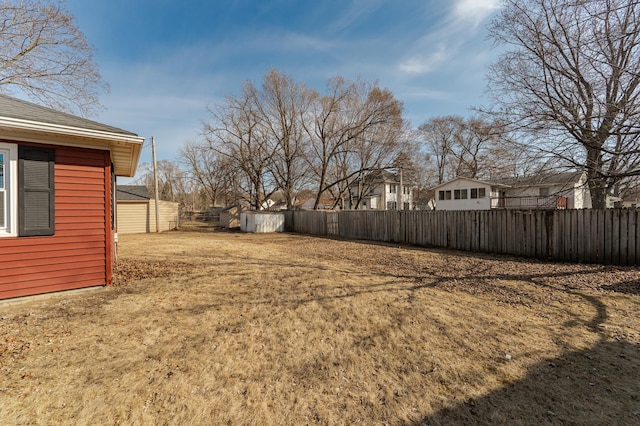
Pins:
<point x="607" y="219"/>
<point x="633" y="224"/>
<point x="579" y="236"/>
<point x="589" y="238"/>
<point x="624" y="238"/>
<point x="566" y="235"/>
<point x="540" y="234"/>
<point x="573" y="235"/>
<point x="615" y="237"/>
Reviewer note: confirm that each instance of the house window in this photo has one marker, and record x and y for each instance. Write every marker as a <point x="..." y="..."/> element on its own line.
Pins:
<point x="8" y="189"/>
<point x="391" y="205"/>
<point x="440" y="195"/>
<point x="460" y="194"/>
<point x="3" y="192"/>
<point x="478" y="193"/>
<point x="392" y="188"/>
<point x="447" y="195"/>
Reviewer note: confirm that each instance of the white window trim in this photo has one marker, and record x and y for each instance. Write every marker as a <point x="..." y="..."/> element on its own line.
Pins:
<point x="11" y="188"/>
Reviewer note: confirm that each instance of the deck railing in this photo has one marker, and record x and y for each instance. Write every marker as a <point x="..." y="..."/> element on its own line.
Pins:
<point x="527" y="203"/>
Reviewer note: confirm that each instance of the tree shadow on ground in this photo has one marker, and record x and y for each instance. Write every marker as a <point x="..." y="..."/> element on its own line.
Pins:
<point x="595" y="386"/>
<point x="598" y="385"/>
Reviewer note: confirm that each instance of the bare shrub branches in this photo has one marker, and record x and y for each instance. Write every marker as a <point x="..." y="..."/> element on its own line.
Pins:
<point x="44" y="55"/>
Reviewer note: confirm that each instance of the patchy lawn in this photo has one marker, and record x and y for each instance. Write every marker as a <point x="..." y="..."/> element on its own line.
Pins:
<point x="229" y="328"/>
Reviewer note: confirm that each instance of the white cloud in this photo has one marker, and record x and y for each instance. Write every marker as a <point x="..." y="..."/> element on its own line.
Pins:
<point x="423" y="64"/>
<point x="475" y="11"/>
<point x="451" y="39"/>
<point x="358" y="10"/>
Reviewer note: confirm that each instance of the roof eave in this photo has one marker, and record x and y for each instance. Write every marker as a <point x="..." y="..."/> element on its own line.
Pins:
<point x="125" y="148"/>
<point x="483" y="182"/>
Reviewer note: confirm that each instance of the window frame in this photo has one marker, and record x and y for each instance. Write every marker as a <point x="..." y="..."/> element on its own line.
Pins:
<point x="10" y="174"/>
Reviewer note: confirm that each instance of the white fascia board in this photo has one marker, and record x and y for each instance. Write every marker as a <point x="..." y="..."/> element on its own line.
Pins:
<point x="35" y="126"/>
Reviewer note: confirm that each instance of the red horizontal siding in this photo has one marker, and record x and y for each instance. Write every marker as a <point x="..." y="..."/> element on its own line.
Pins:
<point x="44" y="272"/>
<point x="76" y="256"/>
<point x="60" y="252"/>
<point x="57" y="264"/>
<point x="30" y="243"/>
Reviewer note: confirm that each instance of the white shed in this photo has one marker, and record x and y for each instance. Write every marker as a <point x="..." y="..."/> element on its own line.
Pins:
<point x="261" y="222"/>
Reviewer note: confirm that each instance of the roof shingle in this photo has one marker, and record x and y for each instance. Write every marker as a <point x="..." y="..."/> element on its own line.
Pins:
<point x="23" y="110"/>
<point x="132" y="193"/>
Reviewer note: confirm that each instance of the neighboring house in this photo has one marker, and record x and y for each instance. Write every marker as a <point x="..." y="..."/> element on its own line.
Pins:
<point x="57" y="198"/>
<point x="466" y="194"/>
<point x="305" y="200"/>
<point x="136" y="213"/>
<point x="308" y="203"/>
<point x="548" y="191"/>
<point x="379" y="190"/>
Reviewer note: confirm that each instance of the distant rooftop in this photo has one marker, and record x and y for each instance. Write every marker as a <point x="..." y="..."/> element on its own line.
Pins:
<point x="560" y="178"/>
<point x="132" y="193"/>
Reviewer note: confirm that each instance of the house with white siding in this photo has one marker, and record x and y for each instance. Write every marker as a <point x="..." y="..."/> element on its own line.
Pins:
<point x="545" y="191"/>
<point x="380" y="190"/>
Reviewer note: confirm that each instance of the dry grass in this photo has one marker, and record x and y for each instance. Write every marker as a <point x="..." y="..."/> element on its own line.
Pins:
<point x="229" y="328"/>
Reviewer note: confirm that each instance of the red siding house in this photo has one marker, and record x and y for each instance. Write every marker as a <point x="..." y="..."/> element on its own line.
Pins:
<point x="57" y="203"/>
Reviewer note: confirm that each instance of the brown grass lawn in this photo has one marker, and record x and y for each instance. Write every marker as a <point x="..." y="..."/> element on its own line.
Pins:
<point x="230" y="328"/>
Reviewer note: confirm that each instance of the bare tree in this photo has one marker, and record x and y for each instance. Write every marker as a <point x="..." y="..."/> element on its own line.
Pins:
<point x="474" y="148"/>
<point x="173" y="184"/>
<point x="569" y="76"/>
<point x="439" y="135"/>
<point x="44" y="55"/>
<point x="282" y="102"/>
<point x="237" y="132"/>
<point x="211" y="173"/>
<point x="353" y="129"/>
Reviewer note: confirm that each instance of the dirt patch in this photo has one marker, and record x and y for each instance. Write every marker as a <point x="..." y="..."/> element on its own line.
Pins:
<point x="230" y="328"/>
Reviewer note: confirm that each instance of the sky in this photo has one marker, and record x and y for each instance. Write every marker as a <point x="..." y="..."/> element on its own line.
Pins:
<point x="166" y="61"/>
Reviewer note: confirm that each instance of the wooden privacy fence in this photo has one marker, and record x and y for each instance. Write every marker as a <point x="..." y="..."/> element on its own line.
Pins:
<point x="595" y="236"/>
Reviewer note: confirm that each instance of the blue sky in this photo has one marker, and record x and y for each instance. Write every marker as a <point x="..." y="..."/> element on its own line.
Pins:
<point x="166" y="60"/>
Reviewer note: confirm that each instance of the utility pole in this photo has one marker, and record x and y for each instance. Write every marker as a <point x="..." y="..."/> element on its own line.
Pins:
<point x="155" y="182"/>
